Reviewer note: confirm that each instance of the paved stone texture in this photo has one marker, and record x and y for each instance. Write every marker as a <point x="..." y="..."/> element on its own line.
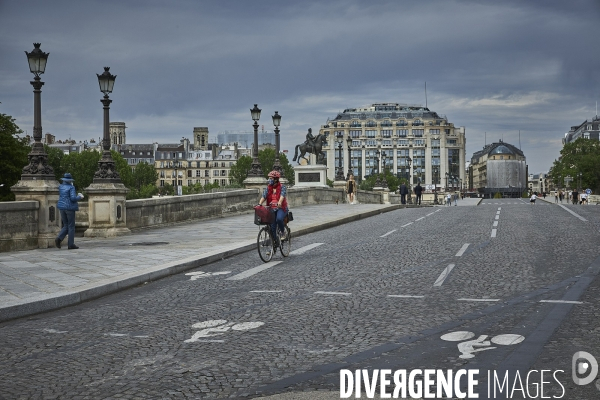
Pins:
<point x="286" y="331"/>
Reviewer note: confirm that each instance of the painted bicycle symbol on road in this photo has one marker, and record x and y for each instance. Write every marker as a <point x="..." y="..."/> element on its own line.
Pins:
<point x="468" y="347"/>
<point x="217" y="327"/>
<point x="202" y="274"/>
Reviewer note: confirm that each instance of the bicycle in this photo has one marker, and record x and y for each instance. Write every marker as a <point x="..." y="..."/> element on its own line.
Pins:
<point x="267" y="246"/>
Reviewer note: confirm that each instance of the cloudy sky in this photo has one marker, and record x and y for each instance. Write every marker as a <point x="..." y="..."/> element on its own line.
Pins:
<point x="491" y="66"/>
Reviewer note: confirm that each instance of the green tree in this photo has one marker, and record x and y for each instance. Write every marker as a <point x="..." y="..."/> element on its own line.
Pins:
<point x="166" y="190"/>
<point x="581" y="156"/>
<point x="82" y="166"/>
<point x="143" y="175"/>
<point x="123" y="169"/>
<point x="239" y="170"/>
<point x="55" y="157"/>
<point x="13" y="155"/>
<point x="267" y="159"/>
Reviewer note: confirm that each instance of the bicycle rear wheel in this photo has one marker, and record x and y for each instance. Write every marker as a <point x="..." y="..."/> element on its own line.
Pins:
<point x="286" y="243"/>
<point x="264" y="243"/>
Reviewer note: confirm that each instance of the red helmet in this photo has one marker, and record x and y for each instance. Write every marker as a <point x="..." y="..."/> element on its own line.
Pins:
<point x="274" y="174"/>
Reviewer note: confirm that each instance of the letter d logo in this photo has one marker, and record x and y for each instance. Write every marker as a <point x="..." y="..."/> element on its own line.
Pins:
<point x="584" y="363"/>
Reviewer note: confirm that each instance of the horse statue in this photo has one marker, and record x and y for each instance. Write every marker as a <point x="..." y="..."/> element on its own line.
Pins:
<point x="311" y="148"/>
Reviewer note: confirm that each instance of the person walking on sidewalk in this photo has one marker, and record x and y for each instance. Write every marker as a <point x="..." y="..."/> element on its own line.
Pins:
<point x="448" y="199"/>
<point x="533" y="198"/>
<point x="274" y="195"/>
<point x="403" y="193"/>
<point x="67" y="205"/>
<point x="418" y="192"/>
<point x="455" y="199"/>
<point x="351" y="188"/>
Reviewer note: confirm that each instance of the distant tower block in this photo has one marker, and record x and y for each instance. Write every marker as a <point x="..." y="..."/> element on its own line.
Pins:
<point x="201" y="138"/>
<point x="117" y="133"/>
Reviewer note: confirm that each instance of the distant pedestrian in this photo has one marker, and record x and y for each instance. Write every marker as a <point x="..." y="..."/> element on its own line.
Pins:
<point x="533" y="198"/>
<point x="351" y="188"/>
<point x="575" y="197"/>
<point x="448" y="199"/>
<point x="67" y="205"/>
<point x="561" y="195"/>
<point x="403" y="193"/>
<point x="556" y="197"/>
<point x="418" y="192"/>
<point x="455" y="199"/>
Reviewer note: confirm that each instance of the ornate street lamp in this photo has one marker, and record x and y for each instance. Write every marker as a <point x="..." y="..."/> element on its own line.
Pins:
<point x="376" y="171"/>
<point x="175" y="165"/>
<point x="38" y="167"/>
<point x="276" y="123"/>
<point x="339" y="176"/>
<point x="409" y="160"/>
<point x="106" y="172"/>
<point x="255" y="170"/>
<point x="383" y="160"/>
<point x="349" y="144"/>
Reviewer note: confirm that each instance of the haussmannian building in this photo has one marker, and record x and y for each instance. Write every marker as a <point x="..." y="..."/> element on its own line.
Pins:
<point x="435" y="146"/>
<point x="588" y="129"/>
<point x="498" y="168"/>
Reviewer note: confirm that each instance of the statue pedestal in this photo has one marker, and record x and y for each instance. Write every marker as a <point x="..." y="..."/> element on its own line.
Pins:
<point x="311" y="176"/>
<point x="107" y="216"/>
<point x="45" y="192"/>
<point x="258" y="183"/>
<point x="385" y="194"/>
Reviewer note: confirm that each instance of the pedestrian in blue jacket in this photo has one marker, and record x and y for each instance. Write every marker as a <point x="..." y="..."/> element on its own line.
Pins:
<point x="67" y="205"/>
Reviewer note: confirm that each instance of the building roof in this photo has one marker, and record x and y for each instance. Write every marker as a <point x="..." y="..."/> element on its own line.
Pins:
<point x="389" y="111"/>
<point x="497" y="148"/>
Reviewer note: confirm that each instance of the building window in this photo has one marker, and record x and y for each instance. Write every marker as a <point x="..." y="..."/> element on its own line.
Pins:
<point x="371" y="124"/>
<point x="419" y="142"/>
<point x="355" y="134"/>
<point x="356" y="143"/>
<point x="418" y="132"/>
<point x="198" y="173"/>
<point x="189" y="182"/>
<point x="206" y="173"/>
<point x="435" y="142"/>
<point x="451" y="142"/>
<point x="387" y="143"/>
<point x="371" y="133"/>
<point x="223" y="172"/>
<point x="386" y="133"/>
<point x="371" y="142"/>
<point x="401" y="123"/>
<point x="215" y="173"/>
<point x="162" y="182"/>
<point x="403" y="142"/>
<point x="434" y="131"/>
<point x="355" y="124"/>
<point x="386" y="123"/>
<point x="223" y="182"/>
<point x="402" y="132"/>
<point x="418" y="122"/>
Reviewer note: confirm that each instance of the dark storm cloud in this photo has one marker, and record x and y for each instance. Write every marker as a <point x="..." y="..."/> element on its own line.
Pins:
<point x="495" y="67"/>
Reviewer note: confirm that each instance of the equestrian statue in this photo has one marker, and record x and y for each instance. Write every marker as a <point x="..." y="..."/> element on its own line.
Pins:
<point x="312" y="145"/>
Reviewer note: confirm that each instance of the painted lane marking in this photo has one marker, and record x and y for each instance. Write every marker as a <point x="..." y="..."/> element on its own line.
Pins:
<point x="266" y="291"/>
<point x="419" y="219"/>
<point x="494" y="231"/>
<point x="443" y="275"/>
<point x="253" y="271"/>
<point x="410" y="223"/>
<point x="497" y="212"/>
<point x="405" y="296"/>
<point x="438" y="210"/>
<point x="497" y="217"/>
<point x="202" y="274"/>
<point x="339" y="293"/>
<point x="429" y="214"/>
<point x="462" y="249"/>
<point x="390" y="232"/>
<point x="54" y="331"/>
<point x="495" y="223"/>
<point x="217" y="327"/>
<point x="480" y="344"/>
<point x="561" y="301"/>
<point x="464" y="299"/>
<point x="116" y="334"/>
<point x="574" y="213"/>
<point x="304" y="249"/>
<point x="499" y="208"/>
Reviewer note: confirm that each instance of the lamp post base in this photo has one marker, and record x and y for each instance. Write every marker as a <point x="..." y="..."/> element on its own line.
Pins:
<point x="107" y="210"/>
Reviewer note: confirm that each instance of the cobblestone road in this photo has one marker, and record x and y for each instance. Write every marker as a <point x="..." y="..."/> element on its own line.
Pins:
<point x="376" y="293"/>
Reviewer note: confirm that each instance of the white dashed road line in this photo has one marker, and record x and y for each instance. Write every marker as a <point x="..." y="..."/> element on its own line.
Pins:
<point x="405" y="296"/>
<point x="419" y="219"/>
<point x="497" y="217"/>
<point x="477" y="299"/>
<point x="494" y="231"/>
<point x="462" y="250"/>
<point x="390" y="232"/>
<point x="253" y="271"/>
<point x="266" y="291"/>
<point x="495" y="223"/>
<point x="574" y="213"/>
<point x="410" y="223"/>
<point x="304" y="249"/>
<point x="561" y="301"/>
<point x="334" y="293"/>
<point x="443" y="275"/>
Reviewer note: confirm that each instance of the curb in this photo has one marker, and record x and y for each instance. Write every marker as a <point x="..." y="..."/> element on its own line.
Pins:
<point x="93" y="291"/>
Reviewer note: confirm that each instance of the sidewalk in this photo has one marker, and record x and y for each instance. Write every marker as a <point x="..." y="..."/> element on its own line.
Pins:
<point x="46" y="279"/>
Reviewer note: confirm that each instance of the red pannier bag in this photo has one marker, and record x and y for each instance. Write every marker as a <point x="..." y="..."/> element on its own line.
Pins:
<point x="263" y="215"/>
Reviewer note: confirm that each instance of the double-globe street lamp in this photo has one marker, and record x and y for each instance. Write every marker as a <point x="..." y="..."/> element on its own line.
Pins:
<point x="255" y="170"/>
<point x="383" y="160"/>
<point x="38" y="167"/>
<point x="106" y="172"/>
<point x="276" y="123"/>
<point x="409" y="160"/>
<point x="349" y="144"/>
<point x="339" y="175"/>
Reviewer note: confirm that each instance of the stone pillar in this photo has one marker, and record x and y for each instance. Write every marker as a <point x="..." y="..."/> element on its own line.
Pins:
<point x="107" y="212"/>
<point x="45" y="192"/>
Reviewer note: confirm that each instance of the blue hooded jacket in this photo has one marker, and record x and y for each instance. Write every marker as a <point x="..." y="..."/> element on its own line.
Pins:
<point x="68" y="198"/>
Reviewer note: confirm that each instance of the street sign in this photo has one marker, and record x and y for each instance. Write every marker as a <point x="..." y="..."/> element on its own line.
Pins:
<point x="588" y="191"/>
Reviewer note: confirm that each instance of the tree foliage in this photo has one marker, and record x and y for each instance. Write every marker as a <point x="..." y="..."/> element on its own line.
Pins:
<point x="13" y="155"/>
<point x="55" y="157"/>
<point x="581" y="156"/>
<point x="143" y="175"/>
<point x="266" y="157"/>
<point x="82" y="166"/>
<point x="392" y="181"/>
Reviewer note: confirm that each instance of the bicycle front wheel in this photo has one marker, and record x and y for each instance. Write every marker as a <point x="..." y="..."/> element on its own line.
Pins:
<point x="286" y="243"/>
<point x="264" y="243"/>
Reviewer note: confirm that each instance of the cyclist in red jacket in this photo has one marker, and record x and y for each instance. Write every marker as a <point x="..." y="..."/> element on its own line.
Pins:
<point x="274" y="195"/>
